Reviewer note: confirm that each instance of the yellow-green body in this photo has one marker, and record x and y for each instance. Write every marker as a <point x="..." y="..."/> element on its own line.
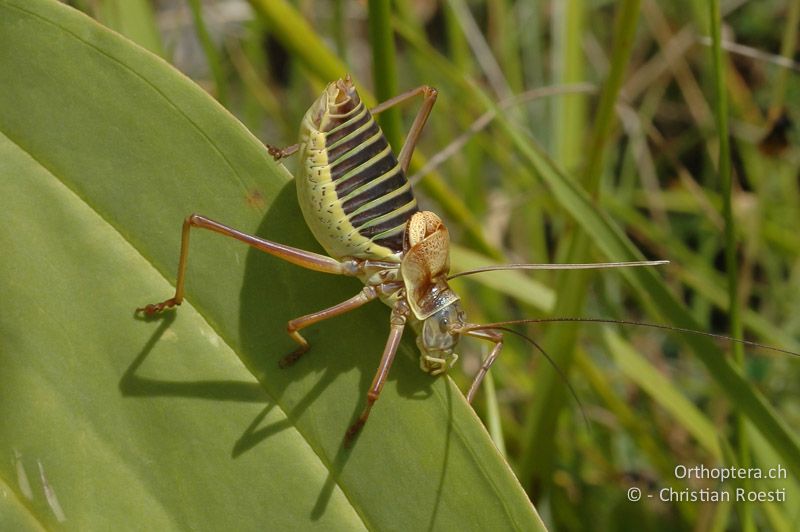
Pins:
<point x="327" y="212"/>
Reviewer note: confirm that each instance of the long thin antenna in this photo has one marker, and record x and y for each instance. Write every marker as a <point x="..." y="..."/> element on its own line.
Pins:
<point x="546" y="356"/>
<point x="637" y="323"/>
<point x="592" y="266"/>
<point x="552" y="363"/>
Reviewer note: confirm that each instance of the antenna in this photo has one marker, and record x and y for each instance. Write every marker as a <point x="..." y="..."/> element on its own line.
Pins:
<point x="592" y="266"/>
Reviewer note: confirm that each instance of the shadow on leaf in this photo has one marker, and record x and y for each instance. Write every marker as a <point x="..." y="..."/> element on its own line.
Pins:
<point x="133" y="385"/>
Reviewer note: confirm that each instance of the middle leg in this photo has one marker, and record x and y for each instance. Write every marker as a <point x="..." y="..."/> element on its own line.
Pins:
<point x="398" y="322"/>
<point x="367" y="294"/>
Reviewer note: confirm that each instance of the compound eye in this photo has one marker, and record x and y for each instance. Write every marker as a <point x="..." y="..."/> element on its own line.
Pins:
<point x="444" y="324"/>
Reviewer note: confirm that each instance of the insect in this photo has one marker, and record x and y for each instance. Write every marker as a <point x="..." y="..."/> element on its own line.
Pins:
<point x="357" y="202"/>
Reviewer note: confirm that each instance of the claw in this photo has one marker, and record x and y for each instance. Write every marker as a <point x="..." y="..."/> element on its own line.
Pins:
<point x="292" y="357"/>
<point x="276" y="152"/>
<point x="352" y="433"/>
<point x="155" y="308"/>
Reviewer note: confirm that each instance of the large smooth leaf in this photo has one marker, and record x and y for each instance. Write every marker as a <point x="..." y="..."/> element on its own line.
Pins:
<point x="110" y="421"/>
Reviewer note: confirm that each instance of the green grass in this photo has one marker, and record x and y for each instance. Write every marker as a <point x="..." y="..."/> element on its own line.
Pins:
<point x="115" y="148"/>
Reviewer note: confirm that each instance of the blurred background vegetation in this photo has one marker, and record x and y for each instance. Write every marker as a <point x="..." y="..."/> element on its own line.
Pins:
<point x="626" y="99"/>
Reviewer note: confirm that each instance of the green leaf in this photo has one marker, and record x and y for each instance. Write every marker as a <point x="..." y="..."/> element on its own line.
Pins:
<point x="104" y="149"/>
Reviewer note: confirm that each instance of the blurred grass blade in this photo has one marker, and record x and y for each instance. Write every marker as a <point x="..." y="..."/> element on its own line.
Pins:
<point x="134" y="19"/>
<point x="494" y="422"/>
<point x="571" y="286"/>
<point x="568" y="121"/>
<point x="384" y="70"/>
<point x="788" y="49"/>
<point x="764" y="456"/>
<point x="210" y="51"/>
<point x="725" y="180"/>
<point x="480" y="49"/>
<point x="730" y="244"/>
<point x="663" y="392"/>
<point x="295" y="33"/>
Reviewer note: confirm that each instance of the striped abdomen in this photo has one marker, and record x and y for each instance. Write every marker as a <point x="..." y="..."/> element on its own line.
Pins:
<point x="354" y="195"/>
